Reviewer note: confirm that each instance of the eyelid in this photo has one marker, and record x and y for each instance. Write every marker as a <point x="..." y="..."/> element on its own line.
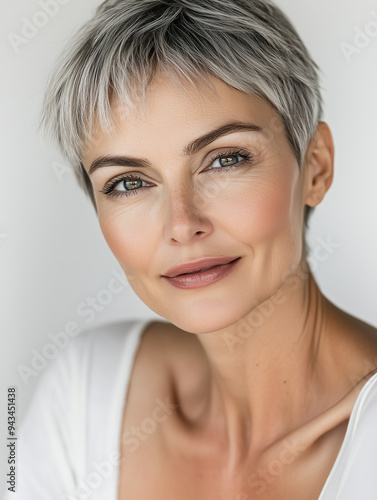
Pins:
<point x="110" y="185"/>
<point x="247" y="157"/>
<point x="244" y="153"/>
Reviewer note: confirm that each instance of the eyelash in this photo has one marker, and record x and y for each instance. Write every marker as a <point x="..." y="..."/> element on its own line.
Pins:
<point x="110" y="191"/>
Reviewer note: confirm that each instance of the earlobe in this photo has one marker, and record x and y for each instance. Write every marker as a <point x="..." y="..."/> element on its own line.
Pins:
<point x="319" y="165"/>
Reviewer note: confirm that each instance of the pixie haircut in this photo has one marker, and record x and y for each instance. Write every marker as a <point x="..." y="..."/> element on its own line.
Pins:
<point x="248" y="44"/>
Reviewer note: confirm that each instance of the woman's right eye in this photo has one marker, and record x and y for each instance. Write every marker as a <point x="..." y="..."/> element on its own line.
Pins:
<point x="128" y="184"/>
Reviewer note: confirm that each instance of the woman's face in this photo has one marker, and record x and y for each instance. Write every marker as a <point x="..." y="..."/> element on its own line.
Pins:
<point x="181" y="204"/>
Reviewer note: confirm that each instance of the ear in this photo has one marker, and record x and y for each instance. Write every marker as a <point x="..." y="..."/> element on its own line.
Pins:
<point x="319" y="165"/>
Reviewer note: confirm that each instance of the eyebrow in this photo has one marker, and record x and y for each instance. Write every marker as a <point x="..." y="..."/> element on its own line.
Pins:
<point x="190" y="149"/>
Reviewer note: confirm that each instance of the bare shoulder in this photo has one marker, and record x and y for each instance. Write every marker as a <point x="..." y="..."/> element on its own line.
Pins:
<point x="164" y="344"/>
<point x="170" y="336"/>
<point x="164" y="355"/>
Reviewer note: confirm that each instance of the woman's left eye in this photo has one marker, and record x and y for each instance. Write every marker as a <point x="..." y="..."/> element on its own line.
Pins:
<point x="225" y="161"/>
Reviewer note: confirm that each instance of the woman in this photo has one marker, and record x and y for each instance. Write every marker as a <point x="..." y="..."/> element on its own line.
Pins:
<point x="195" y="128"/>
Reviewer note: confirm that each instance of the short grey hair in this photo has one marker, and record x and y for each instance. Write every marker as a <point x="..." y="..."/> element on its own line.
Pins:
<point x="248" y="44"/>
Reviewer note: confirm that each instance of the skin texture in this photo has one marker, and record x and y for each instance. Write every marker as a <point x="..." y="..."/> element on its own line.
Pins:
<point x="267" y="356"/>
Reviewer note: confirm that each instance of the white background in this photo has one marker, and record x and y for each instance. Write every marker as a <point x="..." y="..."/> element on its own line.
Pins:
<point x="52" y="253"/>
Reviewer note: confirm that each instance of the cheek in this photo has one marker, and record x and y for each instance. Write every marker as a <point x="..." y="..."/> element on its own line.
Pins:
<point x="263" y="215"/>
<point x="130" y="237"/>
<point x="256" y="210"/>
<point x="259" y="209"/>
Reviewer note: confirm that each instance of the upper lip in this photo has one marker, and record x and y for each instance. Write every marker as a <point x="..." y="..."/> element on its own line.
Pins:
<point x="197" y="265"/>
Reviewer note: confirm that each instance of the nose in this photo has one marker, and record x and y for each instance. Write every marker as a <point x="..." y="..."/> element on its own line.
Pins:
<point x="186" y="220"/>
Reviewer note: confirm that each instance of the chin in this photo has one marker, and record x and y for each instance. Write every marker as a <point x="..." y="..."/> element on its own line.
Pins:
<point x="206" y="315"/>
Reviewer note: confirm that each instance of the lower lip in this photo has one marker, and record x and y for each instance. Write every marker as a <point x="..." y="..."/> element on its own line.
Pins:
<point x="202" y="278"/>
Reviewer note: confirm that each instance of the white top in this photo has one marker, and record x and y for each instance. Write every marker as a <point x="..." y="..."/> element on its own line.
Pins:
<point x="69" y="441"/>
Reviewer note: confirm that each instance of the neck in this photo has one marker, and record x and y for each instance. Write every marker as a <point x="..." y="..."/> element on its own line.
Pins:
<point x="269" y="369"/>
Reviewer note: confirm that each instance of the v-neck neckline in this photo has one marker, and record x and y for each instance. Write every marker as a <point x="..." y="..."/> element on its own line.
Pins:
<point x="131" y="348"/>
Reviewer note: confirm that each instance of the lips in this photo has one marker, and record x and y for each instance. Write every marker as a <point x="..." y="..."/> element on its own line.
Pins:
<point x="199" y="265"/>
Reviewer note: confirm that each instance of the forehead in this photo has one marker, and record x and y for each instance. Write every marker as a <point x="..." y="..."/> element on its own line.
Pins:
<point x="175" y="112"/>
<point x="175" y="98"/>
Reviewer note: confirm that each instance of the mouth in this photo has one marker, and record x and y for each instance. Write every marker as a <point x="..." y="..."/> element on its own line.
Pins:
<point x="199" y="266"/>
<point x="205" y="269"/>
<point x="201" y="274"/>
